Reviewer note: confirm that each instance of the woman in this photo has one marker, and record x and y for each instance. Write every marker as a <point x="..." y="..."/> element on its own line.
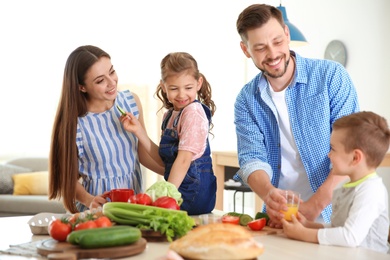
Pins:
<point x="90" y="151"/>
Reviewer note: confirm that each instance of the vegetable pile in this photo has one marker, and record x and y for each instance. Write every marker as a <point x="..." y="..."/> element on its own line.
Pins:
<point x="171" y="223"/>
<point x="59" y="229"/>
<point x="256" y="224"/>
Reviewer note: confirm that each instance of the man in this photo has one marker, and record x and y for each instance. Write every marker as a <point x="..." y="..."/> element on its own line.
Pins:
<point x="284" y="117"/>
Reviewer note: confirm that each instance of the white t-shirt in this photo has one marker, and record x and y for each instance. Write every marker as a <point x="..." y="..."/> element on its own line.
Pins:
<point x="293" y="175"/>
<point x="360" y="216"/>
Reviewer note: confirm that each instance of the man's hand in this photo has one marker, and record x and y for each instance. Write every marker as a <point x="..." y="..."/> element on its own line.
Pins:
<point x="275" y="202"/>
<point x="309" y="209"/>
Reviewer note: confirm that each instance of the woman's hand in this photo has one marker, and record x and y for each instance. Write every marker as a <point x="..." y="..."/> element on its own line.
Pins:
<point x="98" y="201"/>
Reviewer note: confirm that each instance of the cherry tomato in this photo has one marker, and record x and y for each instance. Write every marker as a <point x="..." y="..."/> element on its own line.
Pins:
<point x="133" y="199"/>
<point x="257" y="224"/>
<point x="86" y="225"/>
<point x="231" y="219"/>
<point x="166" y="202"/>
<point x="144" y="199"/>
<point x="103" y="221"/>
<point x="59" y="229"/>
<point x="74" y="219"/>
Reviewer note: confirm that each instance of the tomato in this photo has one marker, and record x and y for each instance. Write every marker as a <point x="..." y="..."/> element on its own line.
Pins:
<point x="59" y="229"/>
<point x="144" y="199"/>
<point x="103" y="221"/>
<point x="85" y="225"/>
<point x="231" y="219"/>
<point x="133" y="199"/>
<point x="257" y="224"/>
<point x="166" y="202"/>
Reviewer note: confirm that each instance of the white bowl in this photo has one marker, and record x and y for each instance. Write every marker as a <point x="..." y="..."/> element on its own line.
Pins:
<point x="40" y="222"/>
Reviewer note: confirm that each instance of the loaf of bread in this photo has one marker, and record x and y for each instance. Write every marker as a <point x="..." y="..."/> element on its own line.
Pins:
<point x="218" y="241"/>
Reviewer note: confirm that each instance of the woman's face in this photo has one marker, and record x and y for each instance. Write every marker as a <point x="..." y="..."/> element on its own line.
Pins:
<point x="100" y="85"/>
<point x="181" y="89"/>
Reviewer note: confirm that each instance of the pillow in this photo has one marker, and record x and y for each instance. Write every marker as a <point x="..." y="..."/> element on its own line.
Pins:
<point x="6" y="172"/>
<point x="34" y="183"/>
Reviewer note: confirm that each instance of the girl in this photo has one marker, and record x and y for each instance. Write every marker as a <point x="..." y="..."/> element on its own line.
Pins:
<point x="88" y="141"/>
<point x="184" y="147"/>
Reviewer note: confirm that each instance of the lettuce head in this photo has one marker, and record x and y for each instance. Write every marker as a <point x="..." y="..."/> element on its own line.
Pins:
<point x="164" y="188"/>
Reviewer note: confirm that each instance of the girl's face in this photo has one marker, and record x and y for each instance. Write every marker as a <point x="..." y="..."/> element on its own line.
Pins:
<point x="100" y="85"/>
<point x="181" y="89"/>
<point x="341" y="160"/>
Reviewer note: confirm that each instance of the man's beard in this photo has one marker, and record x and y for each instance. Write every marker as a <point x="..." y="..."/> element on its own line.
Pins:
<point x="267" y="73"/>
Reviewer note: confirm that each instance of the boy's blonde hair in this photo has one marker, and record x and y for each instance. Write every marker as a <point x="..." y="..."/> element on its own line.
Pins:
<point x="367" y="132"/>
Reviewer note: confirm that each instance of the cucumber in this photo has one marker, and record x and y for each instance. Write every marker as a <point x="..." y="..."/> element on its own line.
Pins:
<point x="234" y="214"/>
<point x="262" y="215"/>
<point x="75" y="236"/>
<point x="121" y="110"/>
<point x="110" y="238"/>
<point x="245" y="219"/>
<point x="104" y="237"/>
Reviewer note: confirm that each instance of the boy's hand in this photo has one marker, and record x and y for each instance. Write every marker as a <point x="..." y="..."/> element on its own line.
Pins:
<point x="297" y="231"/>
<point x="293" y="229"/>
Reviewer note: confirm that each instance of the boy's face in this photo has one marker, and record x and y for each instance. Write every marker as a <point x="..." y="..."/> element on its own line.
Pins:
<point x="340" y="159"/>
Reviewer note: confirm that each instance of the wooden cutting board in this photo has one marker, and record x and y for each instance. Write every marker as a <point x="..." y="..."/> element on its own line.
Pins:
<point x="51" y="246"/>
<point x="266" y="231"/>
<point x="153" y="236"/>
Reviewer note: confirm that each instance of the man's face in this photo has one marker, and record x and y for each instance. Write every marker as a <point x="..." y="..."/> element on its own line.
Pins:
<point x="268" y="47"/>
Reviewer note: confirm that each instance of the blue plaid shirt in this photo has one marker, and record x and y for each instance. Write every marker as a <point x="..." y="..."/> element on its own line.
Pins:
<point x="322" y="91"/>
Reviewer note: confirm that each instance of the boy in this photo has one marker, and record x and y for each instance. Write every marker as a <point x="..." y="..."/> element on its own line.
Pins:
<point x="359" y="143"/>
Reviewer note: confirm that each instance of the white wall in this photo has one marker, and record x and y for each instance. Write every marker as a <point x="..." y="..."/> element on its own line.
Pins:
<point x="38" y="36"/>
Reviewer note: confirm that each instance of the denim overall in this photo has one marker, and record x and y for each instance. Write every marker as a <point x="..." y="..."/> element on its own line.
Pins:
<point x="199" y="186"/>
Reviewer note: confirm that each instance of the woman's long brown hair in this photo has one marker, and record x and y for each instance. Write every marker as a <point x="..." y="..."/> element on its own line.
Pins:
<point x="63" y="157"/>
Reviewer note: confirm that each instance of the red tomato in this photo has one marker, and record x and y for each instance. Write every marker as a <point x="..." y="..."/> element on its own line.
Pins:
<point x="144" y="199"/>
<point x="133" y="199"/>
<point x="166" y="202"/>
<point x="59" y="229"/>
<point x="103" y="221"/>
<point x="231" y="219"/>
<point x="85" y="225"/>
<point x="257" y="224"/>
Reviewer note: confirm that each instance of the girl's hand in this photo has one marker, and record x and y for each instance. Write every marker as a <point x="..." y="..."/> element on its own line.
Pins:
<point x="130" y="123"/>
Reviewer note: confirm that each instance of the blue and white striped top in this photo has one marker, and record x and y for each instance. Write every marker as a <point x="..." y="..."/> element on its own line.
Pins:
<point x="108" y="155"/>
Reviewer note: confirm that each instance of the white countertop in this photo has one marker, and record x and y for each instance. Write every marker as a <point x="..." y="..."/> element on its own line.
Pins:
<point x="15" y="230"/>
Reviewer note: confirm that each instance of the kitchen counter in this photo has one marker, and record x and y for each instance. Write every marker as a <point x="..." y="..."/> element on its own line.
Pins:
<point x="15" y="230"/>
<point x="221" y="159"/>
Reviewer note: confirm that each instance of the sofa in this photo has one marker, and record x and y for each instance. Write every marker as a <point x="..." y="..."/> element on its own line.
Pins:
<point x="24" y="188"/>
